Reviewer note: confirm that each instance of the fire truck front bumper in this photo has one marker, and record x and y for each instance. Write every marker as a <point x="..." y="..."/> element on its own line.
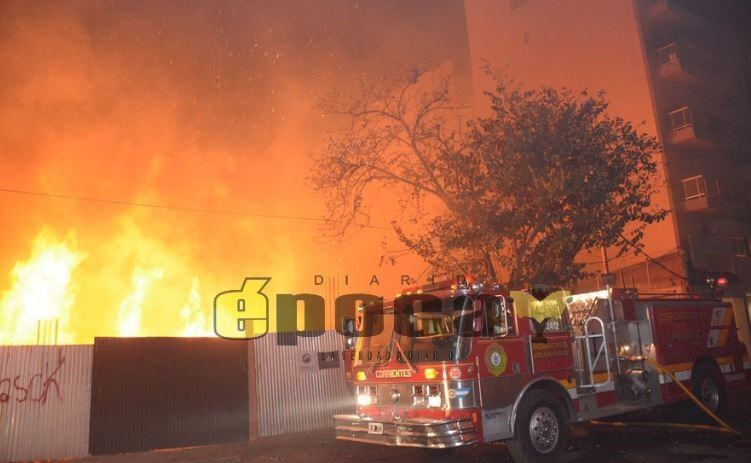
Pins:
<point x="414" y="432"/>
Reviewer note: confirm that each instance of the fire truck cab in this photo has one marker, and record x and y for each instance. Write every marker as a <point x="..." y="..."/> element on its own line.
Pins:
<point x="460" y="363"/>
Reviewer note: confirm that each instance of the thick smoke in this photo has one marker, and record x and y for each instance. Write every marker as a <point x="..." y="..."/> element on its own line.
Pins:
<point x="206" y="105"/>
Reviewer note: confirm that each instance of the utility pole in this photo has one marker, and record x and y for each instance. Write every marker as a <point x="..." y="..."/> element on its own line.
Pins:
<point x="605" y="261"/>
<point x="607" y="279"/>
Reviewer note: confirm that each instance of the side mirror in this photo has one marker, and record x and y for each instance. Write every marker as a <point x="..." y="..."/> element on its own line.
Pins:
<point x="348" y="327"/>
<point x="349" y="331"/>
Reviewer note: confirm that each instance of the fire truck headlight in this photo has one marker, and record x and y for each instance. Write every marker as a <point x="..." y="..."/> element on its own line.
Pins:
<point x="367" y="395"/>
<point x="434" y="396"/>
<point x="364" y="400"/>
<point x="418" y="396"/>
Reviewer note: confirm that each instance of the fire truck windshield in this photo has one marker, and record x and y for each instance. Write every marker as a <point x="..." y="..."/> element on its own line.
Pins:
<point x="441" y="334"/>
<point x="374" y="344"/>
<point x="430" y="336"/>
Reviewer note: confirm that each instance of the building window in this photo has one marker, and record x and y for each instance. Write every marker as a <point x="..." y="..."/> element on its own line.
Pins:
<point x="667" y="54"/>
<point x="514" y="4"/>
<point x="680" y="118"/>
<point x="740" y="246"/>
<point x="694" y="187"/>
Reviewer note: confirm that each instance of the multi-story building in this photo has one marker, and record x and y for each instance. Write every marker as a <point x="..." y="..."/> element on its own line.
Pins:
<point x="681" y="71"/>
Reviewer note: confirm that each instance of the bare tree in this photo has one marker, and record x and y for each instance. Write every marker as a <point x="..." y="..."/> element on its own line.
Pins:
<point x="519" y="193"/>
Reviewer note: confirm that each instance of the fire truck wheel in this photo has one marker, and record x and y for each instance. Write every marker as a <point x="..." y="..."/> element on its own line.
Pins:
<point x="706" y="384"/>
<point x="541" y="429"/>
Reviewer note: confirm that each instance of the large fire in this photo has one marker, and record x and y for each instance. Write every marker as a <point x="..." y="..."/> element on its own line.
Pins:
<point x="193" y="318"/>
<point x="42" y="293"/>
<point x="203" y="107"/>
<point x="44" y="297"/>
<point x="129" y="313"/>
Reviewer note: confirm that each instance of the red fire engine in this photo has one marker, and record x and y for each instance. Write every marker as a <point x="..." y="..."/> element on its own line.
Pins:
<point x="456" y="364"/>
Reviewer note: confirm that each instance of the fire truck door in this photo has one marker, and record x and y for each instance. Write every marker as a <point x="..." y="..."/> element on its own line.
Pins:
<point x="553" y="355"/>
<point x="546" y="320"/>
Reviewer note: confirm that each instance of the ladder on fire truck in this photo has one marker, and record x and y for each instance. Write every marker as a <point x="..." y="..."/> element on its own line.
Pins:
<point x="611" y="356"/>
<point x="593" y="361"/>
<point x="590" y="352"/>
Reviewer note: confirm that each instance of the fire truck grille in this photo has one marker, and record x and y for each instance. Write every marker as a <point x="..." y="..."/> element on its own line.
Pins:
<point x="415" y="432"/>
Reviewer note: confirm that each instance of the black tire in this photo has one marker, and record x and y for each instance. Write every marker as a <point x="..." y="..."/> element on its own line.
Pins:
<point x="707" y="386"/>
<point x="539" y="412"/>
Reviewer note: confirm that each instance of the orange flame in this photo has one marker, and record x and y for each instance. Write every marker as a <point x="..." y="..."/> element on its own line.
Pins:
<point x="42" y="291"/>
<point x="129" y="313"/>
<point x="47" y="303"/>
<point x="195" y="322"/>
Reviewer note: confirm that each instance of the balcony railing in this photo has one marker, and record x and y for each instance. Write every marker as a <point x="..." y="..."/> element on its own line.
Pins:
<point x="704" y="203"/>
<point x="714" y="203"/>
<point x="669" y="65"/>
<point x="689" y="62"/>
<point x="690" y="128"/>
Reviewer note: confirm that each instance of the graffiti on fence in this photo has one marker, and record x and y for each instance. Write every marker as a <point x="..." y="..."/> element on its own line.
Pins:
<point x="34" y="386"/>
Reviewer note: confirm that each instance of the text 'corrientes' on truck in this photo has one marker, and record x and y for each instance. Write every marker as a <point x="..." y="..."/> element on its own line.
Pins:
<point x="462" y="363"/>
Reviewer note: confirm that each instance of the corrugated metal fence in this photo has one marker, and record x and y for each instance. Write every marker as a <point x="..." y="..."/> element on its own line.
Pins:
<point x="158" y="393"/>
<point x="154" y="393"/>
<point x="44" y="401"/>
<point x="299" y="386"/>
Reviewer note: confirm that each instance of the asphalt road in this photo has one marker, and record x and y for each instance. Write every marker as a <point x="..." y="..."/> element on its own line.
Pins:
<point x="588" y="443"/>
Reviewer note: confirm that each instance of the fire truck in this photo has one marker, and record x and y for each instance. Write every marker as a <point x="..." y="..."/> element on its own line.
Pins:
<point x="460" y="363"/>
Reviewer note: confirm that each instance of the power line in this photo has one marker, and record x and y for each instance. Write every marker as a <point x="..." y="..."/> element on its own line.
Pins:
<point x="623" y="256"/>
<point x="176" y="208"/>
<point x="654" y="261"/>
<point x="422" y="273"/>
<point x="267" y="216"/>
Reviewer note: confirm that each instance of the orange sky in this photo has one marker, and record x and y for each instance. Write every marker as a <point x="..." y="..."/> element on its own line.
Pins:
<point x="578" y="44"/>
<point x="193" y="104"/>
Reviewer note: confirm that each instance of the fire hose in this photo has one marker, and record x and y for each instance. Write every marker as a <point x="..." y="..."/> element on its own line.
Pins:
<point x="723" y="426"/>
